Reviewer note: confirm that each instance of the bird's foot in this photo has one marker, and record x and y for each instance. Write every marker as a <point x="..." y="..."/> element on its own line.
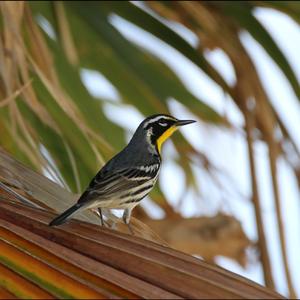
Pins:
<point x="126" y="219"/>
<point x="102" y="223"/>
<point x="130" y="229"/>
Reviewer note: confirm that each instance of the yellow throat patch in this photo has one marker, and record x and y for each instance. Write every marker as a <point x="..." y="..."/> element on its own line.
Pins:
<point x="165" y="136"/>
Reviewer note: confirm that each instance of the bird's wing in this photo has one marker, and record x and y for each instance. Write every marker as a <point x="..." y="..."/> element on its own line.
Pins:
<point x="113" y="184"/>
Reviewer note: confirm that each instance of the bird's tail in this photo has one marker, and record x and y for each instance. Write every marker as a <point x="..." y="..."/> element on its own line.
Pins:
<point x="65" y="215"/>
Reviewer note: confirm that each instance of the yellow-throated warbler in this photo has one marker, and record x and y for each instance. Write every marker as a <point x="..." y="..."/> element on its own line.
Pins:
<point x="130" y="175"/>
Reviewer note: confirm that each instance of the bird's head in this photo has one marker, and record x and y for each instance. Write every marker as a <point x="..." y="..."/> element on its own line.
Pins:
<point x="158" y="128"/>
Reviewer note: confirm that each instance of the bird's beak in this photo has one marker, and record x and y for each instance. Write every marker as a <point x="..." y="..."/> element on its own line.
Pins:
<point x="184" y="122"/>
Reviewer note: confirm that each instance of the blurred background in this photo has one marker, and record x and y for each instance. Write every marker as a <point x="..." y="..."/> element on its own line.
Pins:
<point x="76" y="79"/>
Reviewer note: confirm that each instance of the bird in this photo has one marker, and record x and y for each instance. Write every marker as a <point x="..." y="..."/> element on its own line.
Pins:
<point x="131" y="174"/>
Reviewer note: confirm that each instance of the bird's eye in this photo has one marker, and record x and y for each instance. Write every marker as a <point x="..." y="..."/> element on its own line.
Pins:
<point x="162" y="124"/>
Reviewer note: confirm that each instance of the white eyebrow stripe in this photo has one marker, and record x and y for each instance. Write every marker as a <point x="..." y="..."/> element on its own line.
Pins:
<point x="152" y="120"/>
<point x="162" y="124"/>
<point x="157" y="118"/>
